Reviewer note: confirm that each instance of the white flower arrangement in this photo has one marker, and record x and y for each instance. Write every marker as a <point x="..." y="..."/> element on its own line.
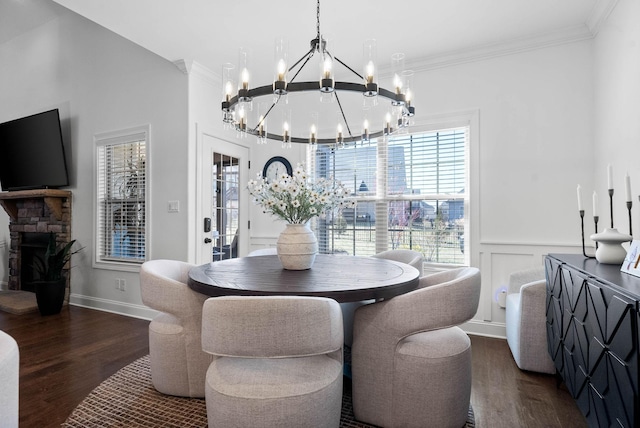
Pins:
<point x="297" y="199"/>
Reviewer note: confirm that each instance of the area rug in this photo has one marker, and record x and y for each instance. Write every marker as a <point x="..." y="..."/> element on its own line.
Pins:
<point x="18" y="302"/>
<point x="127" y="399"/>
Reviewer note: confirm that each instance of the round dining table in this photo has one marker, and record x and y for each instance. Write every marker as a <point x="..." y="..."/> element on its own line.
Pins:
<point x="339" y="277"/>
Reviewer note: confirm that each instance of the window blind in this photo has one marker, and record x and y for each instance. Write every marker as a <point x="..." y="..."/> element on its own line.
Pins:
<point x="121" y="204"/>
<point x="410" y="191"/>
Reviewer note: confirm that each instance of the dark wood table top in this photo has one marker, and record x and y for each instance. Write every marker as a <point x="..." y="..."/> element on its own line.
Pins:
<point x="342" y="278"/>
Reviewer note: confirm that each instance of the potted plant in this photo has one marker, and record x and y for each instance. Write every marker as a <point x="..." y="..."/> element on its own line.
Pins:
<point x="51" y="282"/>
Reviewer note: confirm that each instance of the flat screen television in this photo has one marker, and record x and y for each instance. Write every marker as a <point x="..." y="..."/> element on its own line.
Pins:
<point x="32" y="153"/>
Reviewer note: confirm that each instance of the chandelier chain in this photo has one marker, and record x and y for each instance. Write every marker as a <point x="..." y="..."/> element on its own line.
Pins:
<point x="318" y="22"/>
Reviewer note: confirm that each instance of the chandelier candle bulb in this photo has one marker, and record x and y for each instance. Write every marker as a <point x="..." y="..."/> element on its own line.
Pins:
<point x="280" y="84"/>
<point x="370" y="57"/>
<point x="387" y="124"/>
<point x="370" y="87"/>
<point x="398" y="84"/>
<point x="326" y="82"/>
<point x="281" y="69"/>
<point x="370" y="72"/>
<point x="245" y="78"/>
<point x="326" y="71"/>
<point x="281" y="56"/>
<point x="627" y="187"/>
<point x="228" y="91"/>
<point x="312" y="137"/>
<point x="241" y="123"/>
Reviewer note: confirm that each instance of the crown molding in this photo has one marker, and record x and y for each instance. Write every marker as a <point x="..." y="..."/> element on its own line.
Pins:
<point x="599" y="14"/>
<point x="509" y="47"/>
<point x="193" y="68"/>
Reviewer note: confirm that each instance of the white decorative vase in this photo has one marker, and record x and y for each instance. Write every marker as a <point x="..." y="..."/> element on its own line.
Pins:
<point x="610" y="249"/>
<point x="297" y="247"/>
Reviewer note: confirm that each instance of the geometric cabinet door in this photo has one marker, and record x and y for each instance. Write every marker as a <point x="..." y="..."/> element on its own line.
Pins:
<point x="592" y="333"/>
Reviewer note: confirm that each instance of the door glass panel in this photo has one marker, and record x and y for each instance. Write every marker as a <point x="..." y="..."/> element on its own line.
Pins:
<point x="224" y="206"/>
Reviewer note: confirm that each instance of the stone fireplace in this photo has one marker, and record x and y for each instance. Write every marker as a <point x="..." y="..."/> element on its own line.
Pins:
<point x="33" y="215"/>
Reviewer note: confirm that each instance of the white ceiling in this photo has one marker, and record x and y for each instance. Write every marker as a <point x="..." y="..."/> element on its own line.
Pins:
<point x="210" y="32"/>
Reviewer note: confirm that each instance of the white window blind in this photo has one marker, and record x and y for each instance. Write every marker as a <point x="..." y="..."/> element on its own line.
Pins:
<point x="410" y="191"/>
<point x="121" y="198"/>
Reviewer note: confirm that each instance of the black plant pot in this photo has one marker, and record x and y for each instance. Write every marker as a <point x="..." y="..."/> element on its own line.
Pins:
<point x="50" y="296"/>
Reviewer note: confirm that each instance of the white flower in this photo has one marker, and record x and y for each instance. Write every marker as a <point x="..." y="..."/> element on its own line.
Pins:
<point x="297" y="199"/>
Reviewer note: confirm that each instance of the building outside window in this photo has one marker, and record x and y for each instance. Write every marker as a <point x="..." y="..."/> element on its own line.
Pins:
<point x="121" y="204"/>
<point x="411" y="192"/>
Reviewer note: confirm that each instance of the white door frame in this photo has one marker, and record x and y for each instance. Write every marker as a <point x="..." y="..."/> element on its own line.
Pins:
<point x="209" y="143"/>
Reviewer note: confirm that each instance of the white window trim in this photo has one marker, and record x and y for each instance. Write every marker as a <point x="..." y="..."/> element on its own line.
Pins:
<point x="457" y="119"/>
<point x="113" y="137"/>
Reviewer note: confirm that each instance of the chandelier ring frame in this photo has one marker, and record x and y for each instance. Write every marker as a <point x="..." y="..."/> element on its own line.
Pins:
<point x="292" y="87"/>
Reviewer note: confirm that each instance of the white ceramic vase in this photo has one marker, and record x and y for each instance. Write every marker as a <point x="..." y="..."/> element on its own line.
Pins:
<point x="610" y="249"/>
<point x="297" y="247"/>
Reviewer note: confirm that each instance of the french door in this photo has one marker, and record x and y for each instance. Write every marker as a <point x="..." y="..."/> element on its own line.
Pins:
<point x="223" y="206"/>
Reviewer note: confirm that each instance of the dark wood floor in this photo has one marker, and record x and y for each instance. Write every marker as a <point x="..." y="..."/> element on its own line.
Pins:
<point x="63" y="357"/>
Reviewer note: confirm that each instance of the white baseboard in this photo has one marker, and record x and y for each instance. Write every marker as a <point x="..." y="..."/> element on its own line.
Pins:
<point x="113" y="306"/>
<point x="488" y="329"/>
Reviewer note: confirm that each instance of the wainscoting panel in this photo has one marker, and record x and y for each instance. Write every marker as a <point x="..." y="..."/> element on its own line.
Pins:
<point x="496" y="262"/>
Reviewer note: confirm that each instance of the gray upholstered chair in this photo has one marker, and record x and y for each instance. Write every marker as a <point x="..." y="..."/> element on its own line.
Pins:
<point x="411" y="363"/>
<point x="409" y="257"/>
<point x="277" y="361"/>
<point x="178" y="364"/>
<point x="526" y="320"/>
<point x="9" y="379"/>
<point x="272" y="251"/>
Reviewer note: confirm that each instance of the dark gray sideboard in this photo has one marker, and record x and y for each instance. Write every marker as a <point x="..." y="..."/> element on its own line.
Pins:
<point x="592" y="333"/>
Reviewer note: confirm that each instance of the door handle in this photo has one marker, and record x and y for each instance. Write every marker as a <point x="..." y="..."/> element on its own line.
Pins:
<point x="207" y="240"/>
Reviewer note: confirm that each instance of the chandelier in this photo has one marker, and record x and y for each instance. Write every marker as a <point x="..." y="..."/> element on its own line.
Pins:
<point x="237" y="105"/>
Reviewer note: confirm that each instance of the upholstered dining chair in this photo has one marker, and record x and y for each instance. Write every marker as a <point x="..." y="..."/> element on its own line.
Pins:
<point x="526" y="321"/>
<point x="277" y="361"/>
<point x="9" y="379"/>
<point x="272" y="251"/>
<point x="409" y="257"/>
<point x="411" y="363"/>
<point x="178" y="364"/>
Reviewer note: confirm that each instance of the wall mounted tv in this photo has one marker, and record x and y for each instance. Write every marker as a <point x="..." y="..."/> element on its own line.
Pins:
<point x="32" y="153"/>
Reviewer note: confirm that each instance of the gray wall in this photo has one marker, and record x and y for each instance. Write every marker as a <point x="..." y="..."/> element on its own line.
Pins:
<point x="102" y="82"/>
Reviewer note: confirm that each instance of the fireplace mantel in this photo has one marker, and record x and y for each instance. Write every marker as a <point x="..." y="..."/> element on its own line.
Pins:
<point x="52" y="197"/>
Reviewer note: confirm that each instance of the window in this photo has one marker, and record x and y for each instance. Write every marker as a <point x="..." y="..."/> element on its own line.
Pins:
<point x="121" y="203"/>
<point x="411" y="192"/>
